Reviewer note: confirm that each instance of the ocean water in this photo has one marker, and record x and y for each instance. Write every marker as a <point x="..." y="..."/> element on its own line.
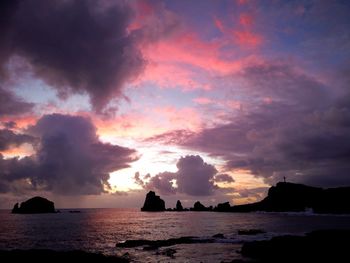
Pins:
<point x="98" y="230"/>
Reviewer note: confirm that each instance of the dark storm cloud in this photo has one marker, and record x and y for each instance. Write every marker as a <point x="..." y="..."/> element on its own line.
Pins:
<point x="292" y="125"/>
<point x="11" y="105"/>
<point x="75" y="46"/>
<point x="69" y="158"/>
<point x="9" y="139"/>
<point x="163" y="183"/>
<point x="194" y="177"/>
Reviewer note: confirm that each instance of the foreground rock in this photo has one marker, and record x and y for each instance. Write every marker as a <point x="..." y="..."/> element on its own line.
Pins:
<point x="44" y="256"/>
<point x="289" y="197"/>
<point x="153" y="203"/>
<point x="154" y="244"/>
<point x="250" y="232"/>
<point x="34" y="205"/>
<point x="317" y="246"/>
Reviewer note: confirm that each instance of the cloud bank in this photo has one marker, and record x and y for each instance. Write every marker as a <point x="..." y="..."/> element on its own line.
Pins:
<point x="293" y="125"/>
<point x="75" y="46"/>
<point x="11" y="105"/>
<point x="194" y="178"/>
<point x="69" y="158"/>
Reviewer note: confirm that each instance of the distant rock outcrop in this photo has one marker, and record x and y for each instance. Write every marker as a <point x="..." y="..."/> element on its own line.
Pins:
<point x="35" y="205"/>
<point x="289" y="197"/>
<point x="199" y="207"/>
<point x="223" y="207"/>
<point x="179" y="206"/>
<point x="153" y="203"/>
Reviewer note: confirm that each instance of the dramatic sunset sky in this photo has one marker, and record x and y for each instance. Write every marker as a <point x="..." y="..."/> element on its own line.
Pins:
<point x="102" y="101"/>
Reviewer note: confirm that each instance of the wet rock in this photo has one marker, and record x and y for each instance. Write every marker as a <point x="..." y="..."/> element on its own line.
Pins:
<point x="250" y="232"/>
<point x="46" y="255"/>
<point x="154" y="244"/>
<point x="317" y="246"/>
<point x="169" y="252"/>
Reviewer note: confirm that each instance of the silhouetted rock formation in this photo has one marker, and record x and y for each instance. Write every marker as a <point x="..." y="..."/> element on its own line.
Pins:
<point x="154" y="244"/>
<point x="199" y="207"/>
<point x="289" y="197"/>
<point x="34" y="205"/>
<point x="179" y="206"/>
<point x="317" y="246"/>
<point x="45" y="255"/>
<point x="153" y="203"/>
<point x="223" y="207"/>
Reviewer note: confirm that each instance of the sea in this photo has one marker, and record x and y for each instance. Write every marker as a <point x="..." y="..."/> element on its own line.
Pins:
<point x="99" y="230"/>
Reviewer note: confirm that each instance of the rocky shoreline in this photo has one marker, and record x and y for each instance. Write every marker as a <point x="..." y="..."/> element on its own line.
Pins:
<point x="316" y="246"/>
<point x="48" y="255"/>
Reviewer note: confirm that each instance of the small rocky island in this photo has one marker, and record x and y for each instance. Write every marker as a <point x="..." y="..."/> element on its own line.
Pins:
<point x="35" y="205"/>
<point x="153" y="203"/>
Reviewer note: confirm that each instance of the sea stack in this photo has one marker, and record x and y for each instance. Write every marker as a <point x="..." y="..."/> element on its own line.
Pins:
<point x="153" y="203"/>
<point x="179" y="206"/>
<point x="199" y="207"/>
<point x="35" y="205"/>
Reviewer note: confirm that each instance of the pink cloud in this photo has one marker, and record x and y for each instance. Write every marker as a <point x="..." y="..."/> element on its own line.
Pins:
<point x="183" y="118"/>
<point x="180" y="60"/>
<point x="243" y="37"/>
<point x="203" y="100"/>
<point x="187" y="48"/>
<point x="242" y="2"/>
<point x="22" y="122"/>
<point x="171" y="75"/>
<point x="246" y="38"/>
<point x="148" y="123"/>
<point x="245" y="19"/>
<point x="177" y="56"/>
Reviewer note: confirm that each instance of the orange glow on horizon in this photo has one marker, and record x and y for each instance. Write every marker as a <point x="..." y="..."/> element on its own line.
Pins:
<point x="23" y="150"/>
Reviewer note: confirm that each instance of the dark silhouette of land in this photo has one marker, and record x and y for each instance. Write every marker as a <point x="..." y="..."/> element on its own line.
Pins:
<point x="45" y="255"/>
<point x="284" y="197"/>
<point x="35" y="205"/>
<point x="289" y="197"/>
<point x="153" y="203"/>
<point x="317" y="246"/>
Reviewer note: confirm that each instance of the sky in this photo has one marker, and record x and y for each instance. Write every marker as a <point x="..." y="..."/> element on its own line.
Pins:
<point x="103" y="101"/>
